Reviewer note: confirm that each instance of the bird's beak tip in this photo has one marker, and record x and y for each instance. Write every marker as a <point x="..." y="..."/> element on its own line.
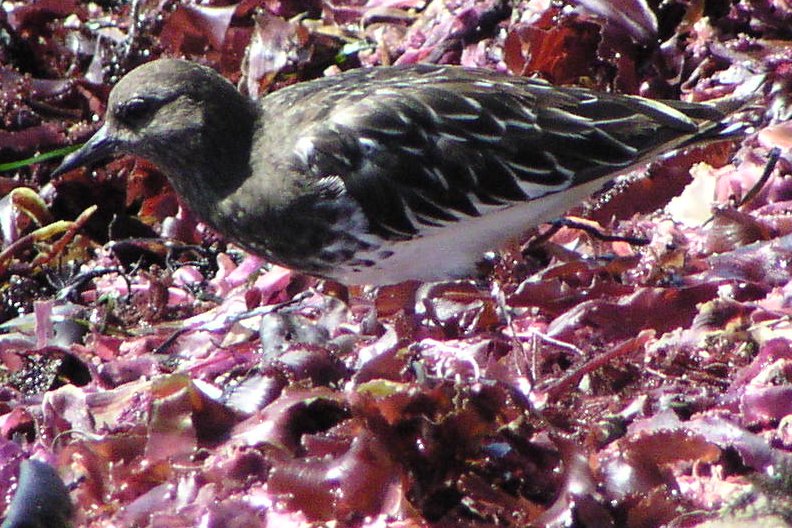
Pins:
<point x="98" y="148"/>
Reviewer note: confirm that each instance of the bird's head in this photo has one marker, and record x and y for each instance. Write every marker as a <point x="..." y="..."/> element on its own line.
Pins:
<point x="168" y="111"/>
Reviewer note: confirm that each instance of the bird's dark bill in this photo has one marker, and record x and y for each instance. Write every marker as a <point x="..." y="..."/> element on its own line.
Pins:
<point x="100" y="147"/>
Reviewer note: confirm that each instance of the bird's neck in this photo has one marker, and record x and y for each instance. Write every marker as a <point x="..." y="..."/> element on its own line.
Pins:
<point x="212" y="164"/>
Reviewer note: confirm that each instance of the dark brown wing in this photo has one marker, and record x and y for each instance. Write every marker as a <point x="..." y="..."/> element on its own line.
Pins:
<point x="424" y="146"/>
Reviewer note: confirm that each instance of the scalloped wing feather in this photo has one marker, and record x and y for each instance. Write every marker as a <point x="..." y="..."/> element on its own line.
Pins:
<point x="423" y="151"/>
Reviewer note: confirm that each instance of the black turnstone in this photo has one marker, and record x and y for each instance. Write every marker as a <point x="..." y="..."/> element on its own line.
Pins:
<point x="377" y="176"/>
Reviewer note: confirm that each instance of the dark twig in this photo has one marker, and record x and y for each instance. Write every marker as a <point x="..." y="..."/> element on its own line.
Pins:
<point x="69" y="291"/>
<point x="235" y="318"/>
<point x="599" y="235"/>
<point x="772" y="161"/>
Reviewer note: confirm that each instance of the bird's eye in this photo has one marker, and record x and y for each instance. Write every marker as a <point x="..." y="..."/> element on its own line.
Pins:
<point x="134" y="110"/>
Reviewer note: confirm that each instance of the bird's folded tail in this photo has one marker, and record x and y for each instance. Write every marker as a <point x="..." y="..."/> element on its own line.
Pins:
<point x="718" y="110"/>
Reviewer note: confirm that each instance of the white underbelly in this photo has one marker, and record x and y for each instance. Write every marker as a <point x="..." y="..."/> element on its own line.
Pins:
<point x="454" y="249"/>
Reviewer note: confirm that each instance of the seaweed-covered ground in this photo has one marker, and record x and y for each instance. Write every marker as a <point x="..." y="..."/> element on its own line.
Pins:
<point x="173" y="380"/>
